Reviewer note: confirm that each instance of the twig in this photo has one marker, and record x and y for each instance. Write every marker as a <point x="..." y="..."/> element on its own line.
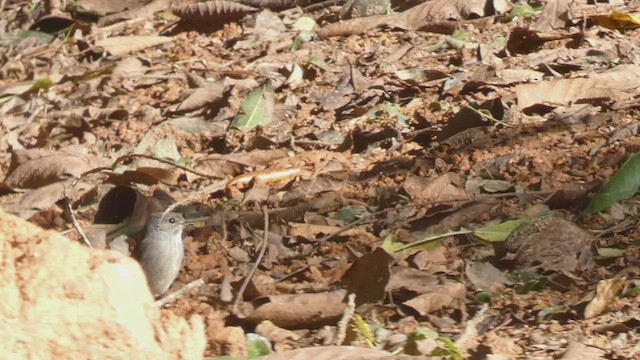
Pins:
<point x="346" y="317"/>
<point x="288" y="276"/>
<point x="130" y="157"/>
<point x="263" y="250"/>
<point x="179" y="293"/>
<point x="224" y="226"/>
<point x="368" y="217"/>
<point x="470" y="330"/>
<point x="358" y="222"/>
<point x="488" y="116"/>
<point x="433" y="238"/>
<point x="218" y="185"/>
<point x="76" y="224"/>
<point x="323" y="4"/>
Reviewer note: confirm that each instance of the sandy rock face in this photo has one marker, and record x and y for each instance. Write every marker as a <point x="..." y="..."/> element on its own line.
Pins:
<point x="62" y="300"/>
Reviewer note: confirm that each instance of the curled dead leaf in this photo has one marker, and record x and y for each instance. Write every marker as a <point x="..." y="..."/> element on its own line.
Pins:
<point x="300" y="310"/>
<point x="606" y="293"/>
<point x="212" y="10"/>
<point x="266" y="176"/>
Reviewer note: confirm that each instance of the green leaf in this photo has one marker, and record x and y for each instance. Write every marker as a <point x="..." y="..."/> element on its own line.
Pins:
<point x="41" y="84"/>
<point x="394" y="111"/>
<point x="432" y="241"/>
<point x="257" y="108"/>
<point x="391" y="108"/>
<point x="304" y="23"/>
<point x="434" y="47"/>
<point x="449" y="349"/>
<point x="607" y="253"/>
<point x="320" y="63"/>
<point x="528" y="282"/>
<point x="167" y="148"/>
<point x="302" y="38"/>
<point x="296" y="76"/>
<point x="350" y="213"/>
<point x="545" y="313"/>
<point x="257" y="346"/>
<point x="390" y="245"/>
<point x="16" y="37"/>
<point x="483" y="296"/>
<point x="423" y="333"/>
<point x="523" y="11"/>
<point x="623" y="185"/>
<point x="458" y="34"/>
<point x="499" y="232"/>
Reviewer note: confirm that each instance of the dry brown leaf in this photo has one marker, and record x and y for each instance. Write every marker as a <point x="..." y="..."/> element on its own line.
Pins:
<point x="300" y="310"/>
<point x="434" y="261"/>
<point x="606" y="293"/>
<point x="436" y="16"/>
<point x="16" y="88"/>
<point x="449" y="294"/>
<point x="352" y="26"/>
<point x="311" y="232"/>
<point x="201" y="97"/>
<point x="580" y="351"/>
<point x="25" y="205"/>
<point x="121" y="45"/>
<point x="441" y="10"/>
<point x="618" y="83"/>
<point x="266" y="176"/>
<point x="467" y="213"/>
<point x="147" y="8"/>
<point x="485" y="276"/>
<point x="232" y="164"/>
<point x="94" y="113"/>
<point x="212" y="10"/>
<point x="147" y="175"/>
<point x="275" y="333"/>
<point x="35" y="168"/>
<point x="444" y="187"/>
<point x="129" y="67"/>
<point x="554" y="16"/>
<point x="524" y="40"/>
<point x="417" y="281"/>
<point x="107" y="7"/>
<point x="272" y="4"/>
<point x="336" y="353"/>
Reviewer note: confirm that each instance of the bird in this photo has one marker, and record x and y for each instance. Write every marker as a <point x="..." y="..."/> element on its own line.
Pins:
<point x="161" y="251"/>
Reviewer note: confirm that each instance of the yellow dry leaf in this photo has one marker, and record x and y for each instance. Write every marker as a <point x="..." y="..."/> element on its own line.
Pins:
<point x="606" y="293"/>
<point x="617" y="20"/>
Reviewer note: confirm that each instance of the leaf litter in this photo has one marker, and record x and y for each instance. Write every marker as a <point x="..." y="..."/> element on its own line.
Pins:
<point x="403" y="156"/>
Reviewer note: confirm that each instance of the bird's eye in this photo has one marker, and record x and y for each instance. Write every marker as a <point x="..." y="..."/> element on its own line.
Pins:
<point x="172" y="220"/>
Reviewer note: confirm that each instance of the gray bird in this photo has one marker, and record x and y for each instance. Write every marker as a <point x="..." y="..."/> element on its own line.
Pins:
<point x="161" y="251"/>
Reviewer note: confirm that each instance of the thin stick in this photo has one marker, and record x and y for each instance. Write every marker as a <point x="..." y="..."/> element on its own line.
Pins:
<point x="129" y="157"/>
<point x="341" y="333"/>
<point x="323" y="5"/>
<point x="263" y="250"/>
<point x="218" y="185"/>
<point x="433" y="238"/>
<point x="178" y="294"/>
<point x="470" y="331"/>
<point x="369" y="217"/>
<point x="76" y="224"/>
